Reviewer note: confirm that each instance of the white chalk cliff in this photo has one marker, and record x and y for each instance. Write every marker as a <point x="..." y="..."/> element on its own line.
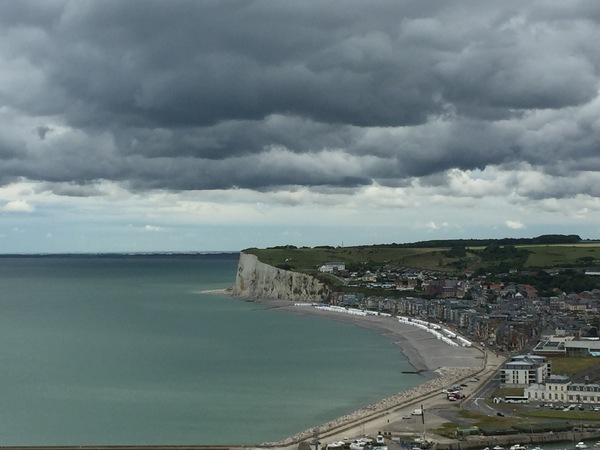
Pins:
<point x="257" y="280"/>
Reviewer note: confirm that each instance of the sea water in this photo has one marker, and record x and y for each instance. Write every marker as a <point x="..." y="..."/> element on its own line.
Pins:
<point x="129" y="350"/>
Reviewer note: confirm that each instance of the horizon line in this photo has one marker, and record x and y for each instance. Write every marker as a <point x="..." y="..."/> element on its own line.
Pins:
<point x="122" y="253"/>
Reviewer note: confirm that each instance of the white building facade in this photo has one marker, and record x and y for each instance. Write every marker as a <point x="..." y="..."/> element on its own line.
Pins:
<point x="329" y="267"/>
<point x="524" y="370"/>
<point x="554" y="390"/>
<point x="559" y="389"/>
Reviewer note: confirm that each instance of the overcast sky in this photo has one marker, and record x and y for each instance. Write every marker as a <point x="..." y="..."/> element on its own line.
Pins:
<point x="146" y="125"/>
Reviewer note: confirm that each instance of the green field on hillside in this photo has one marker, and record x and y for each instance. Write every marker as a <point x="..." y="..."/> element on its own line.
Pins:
<point x="448" y="259"/>
<point x="309" y="259"/>
<point x="571" y="255"/>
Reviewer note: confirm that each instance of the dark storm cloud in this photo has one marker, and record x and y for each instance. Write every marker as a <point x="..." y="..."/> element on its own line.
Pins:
<point x="70" y="189"/>
<point x="236" y="138"/>
<point x="10" y="147"/>
<point x="261" y="94"/>
<point x="42" y="131"/>
<point x="198" y="63"/>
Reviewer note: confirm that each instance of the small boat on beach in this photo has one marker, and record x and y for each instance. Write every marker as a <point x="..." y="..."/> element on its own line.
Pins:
<point x="517" y="447"/>
<point x="581" y="445"/>
<point x="498" y="447"/>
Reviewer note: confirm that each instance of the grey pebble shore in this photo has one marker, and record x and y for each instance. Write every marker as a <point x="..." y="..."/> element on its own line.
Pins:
<point x="441" y="364"/>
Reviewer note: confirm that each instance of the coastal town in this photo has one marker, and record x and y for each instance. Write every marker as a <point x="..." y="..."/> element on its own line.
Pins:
<point x="509" y="320"/>
<point x="503" y="334"/>
<point x="502" y="315"/>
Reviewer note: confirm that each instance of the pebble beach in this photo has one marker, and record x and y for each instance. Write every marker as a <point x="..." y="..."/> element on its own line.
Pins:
<point x="441" y="365"/>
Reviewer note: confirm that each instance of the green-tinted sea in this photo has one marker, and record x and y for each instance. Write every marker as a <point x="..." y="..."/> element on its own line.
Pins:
<point x="128" y="350"/>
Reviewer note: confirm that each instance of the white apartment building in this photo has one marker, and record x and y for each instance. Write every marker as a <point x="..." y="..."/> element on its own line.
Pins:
<point x="524" y="370"/>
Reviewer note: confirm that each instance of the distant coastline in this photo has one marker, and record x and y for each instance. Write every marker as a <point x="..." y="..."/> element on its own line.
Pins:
<point x="116" y="254"/>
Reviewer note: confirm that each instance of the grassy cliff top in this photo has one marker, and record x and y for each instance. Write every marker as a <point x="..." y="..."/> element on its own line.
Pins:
<point x="309" y="259"/>
<point x="453" y="257"/>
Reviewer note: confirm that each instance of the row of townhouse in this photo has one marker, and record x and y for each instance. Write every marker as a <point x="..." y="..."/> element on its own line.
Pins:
<point x="446" y="288"/>
<point x="437" y="284"/>
<point x="507" y="322"/>
<point x="510" y="330"/>
<point x="559" y="388"/>
<point x="585" y="302"/>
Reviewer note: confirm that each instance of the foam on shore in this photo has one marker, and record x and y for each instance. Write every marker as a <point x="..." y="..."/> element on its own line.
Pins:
<point x="226" y="291"/>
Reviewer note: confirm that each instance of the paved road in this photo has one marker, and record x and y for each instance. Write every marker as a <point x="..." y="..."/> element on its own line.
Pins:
<point x="435" y="406"/>
<point x="476" y="401"/>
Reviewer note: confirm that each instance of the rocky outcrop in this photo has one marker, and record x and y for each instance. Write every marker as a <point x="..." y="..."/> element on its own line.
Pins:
<point x="257" y="280"/>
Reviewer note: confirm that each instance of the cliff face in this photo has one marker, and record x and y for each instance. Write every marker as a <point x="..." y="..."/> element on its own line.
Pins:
<point x="255" y="279"/>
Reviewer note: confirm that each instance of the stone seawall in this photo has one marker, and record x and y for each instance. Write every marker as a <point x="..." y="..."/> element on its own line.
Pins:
<point x="533" y="439"/>
<point x="257" y="280"/>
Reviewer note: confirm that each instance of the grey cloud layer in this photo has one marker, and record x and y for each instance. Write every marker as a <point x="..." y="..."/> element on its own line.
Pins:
<point x="205" y="95"/>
